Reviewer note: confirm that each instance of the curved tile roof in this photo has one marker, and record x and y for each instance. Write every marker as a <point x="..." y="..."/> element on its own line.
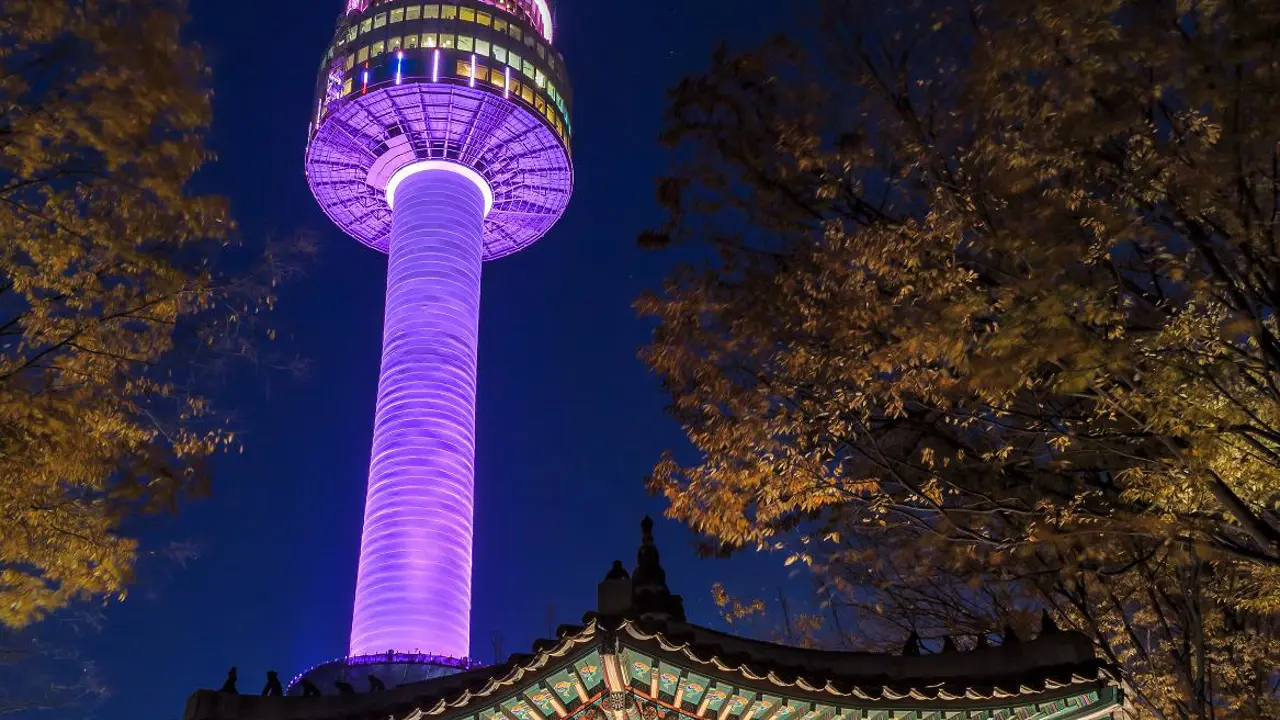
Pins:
<point x="1053" y="665"/>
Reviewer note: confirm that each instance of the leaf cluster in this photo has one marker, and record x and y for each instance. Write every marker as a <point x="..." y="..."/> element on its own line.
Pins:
<point x="991" y="303"/>
<point x="114" y="297"/>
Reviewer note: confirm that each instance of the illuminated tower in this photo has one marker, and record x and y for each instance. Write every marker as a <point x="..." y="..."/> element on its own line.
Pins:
<point x="440" y="136"/>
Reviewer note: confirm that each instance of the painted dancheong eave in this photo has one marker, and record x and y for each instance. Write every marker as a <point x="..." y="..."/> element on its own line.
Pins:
<point x="653" y="677"/>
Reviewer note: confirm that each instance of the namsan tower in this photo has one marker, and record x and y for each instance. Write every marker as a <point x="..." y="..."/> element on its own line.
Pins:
<point x="440" y="136"/>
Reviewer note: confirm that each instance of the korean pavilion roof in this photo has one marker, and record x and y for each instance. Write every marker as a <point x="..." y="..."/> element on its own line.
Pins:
<point x="637" y="658"/>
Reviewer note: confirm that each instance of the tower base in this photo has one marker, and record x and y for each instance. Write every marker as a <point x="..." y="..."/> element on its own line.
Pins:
<point x="392" y="669"/>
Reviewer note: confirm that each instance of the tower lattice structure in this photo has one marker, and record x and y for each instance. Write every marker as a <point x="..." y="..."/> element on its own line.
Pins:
<point x="440" y="136"/>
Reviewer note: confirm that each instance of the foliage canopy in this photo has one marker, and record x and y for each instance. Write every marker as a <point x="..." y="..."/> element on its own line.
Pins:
<point x="111" y="292"/>
<point x="987" y="323"/>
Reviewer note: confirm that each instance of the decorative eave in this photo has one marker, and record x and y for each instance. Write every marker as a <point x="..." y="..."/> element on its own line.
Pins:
<point x="451" y="695"/>
<point x="633" y="657"/>
<point x="523" y="669"/>
<point x="941" y="677"/>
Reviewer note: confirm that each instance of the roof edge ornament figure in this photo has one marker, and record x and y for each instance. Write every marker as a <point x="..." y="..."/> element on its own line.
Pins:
<point x="613" y="594"/>
<point x="440" y="136"/>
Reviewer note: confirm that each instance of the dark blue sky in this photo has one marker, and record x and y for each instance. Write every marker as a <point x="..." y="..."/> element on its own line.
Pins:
<point x="569" y="420"/>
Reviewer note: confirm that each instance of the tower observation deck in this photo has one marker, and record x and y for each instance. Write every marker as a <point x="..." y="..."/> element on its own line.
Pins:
<point x="440" y="136"/>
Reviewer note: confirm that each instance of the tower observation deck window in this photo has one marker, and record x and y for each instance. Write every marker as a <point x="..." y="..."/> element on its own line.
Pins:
<point x="536" y="72"/>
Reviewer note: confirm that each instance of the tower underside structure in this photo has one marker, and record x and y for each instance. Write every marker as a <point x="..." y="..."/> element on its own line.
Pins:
<point x="440" y="137"/>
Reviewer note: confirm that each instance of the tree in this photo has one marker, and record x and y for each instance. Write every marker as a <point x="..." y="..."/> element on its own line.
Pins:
<point x="43" y="671"/>
<point x="983" y="322"/>
<point x="115" y="291"/>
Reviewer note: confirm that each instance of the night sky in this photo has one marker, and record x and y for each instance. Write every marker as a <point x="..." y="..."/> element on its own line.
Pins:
<point x="569" y="421"/>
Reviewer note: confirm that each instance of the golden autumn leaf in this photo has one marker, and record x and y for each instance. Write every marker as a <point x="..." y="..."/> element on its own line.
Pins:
<point x="1032" y="309"/>
<point x="111" y="309"/>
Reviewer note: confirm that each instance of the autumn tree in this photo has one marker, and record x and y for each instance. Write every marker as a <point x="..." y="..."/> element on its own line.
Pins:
<point x="978" y="319"/>
<point x="43" y="672"/>
<point x="114" y="290"/>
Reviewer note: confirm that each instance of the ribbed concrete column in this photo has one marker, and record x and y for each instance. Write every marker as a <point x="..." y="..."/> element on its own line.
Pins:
<point x="414" y="587"/>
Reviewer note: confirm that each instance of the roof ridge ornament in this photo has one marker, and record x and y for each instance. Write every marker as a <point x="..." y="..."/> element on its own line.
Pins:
<point x="650" y="596"/>
<point x="912" y="646"/>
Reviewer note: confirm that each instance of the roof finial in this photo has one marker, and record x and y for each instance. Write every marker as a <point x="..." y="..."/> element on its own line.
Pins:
<point x="651" y="595"/>
<point x="649" y="572"/>
<point x="912" y="645"/>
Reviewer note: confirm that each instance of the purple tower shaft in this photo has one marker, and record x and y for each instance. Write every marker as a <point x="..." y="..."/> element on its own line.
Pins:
<point x="439" y="135"/>
<point x="414" y="587"/>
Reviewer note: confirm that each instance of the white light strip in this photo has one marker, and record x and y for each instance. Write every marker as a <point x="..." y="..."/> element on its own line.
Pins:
<point x="506" y="88"/>
<point x="453" y="167"/>
<point x="435" y="66"/>
<point x="473" y="69"/>
<point x="544" y="12"/>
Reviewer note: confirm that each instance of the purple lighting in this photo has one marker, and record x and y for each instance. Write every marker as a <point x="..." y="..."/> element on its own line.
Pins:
<point x="414" y="586"/>
<point x="358" y="667"/>
<point x="419" y="154"/>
